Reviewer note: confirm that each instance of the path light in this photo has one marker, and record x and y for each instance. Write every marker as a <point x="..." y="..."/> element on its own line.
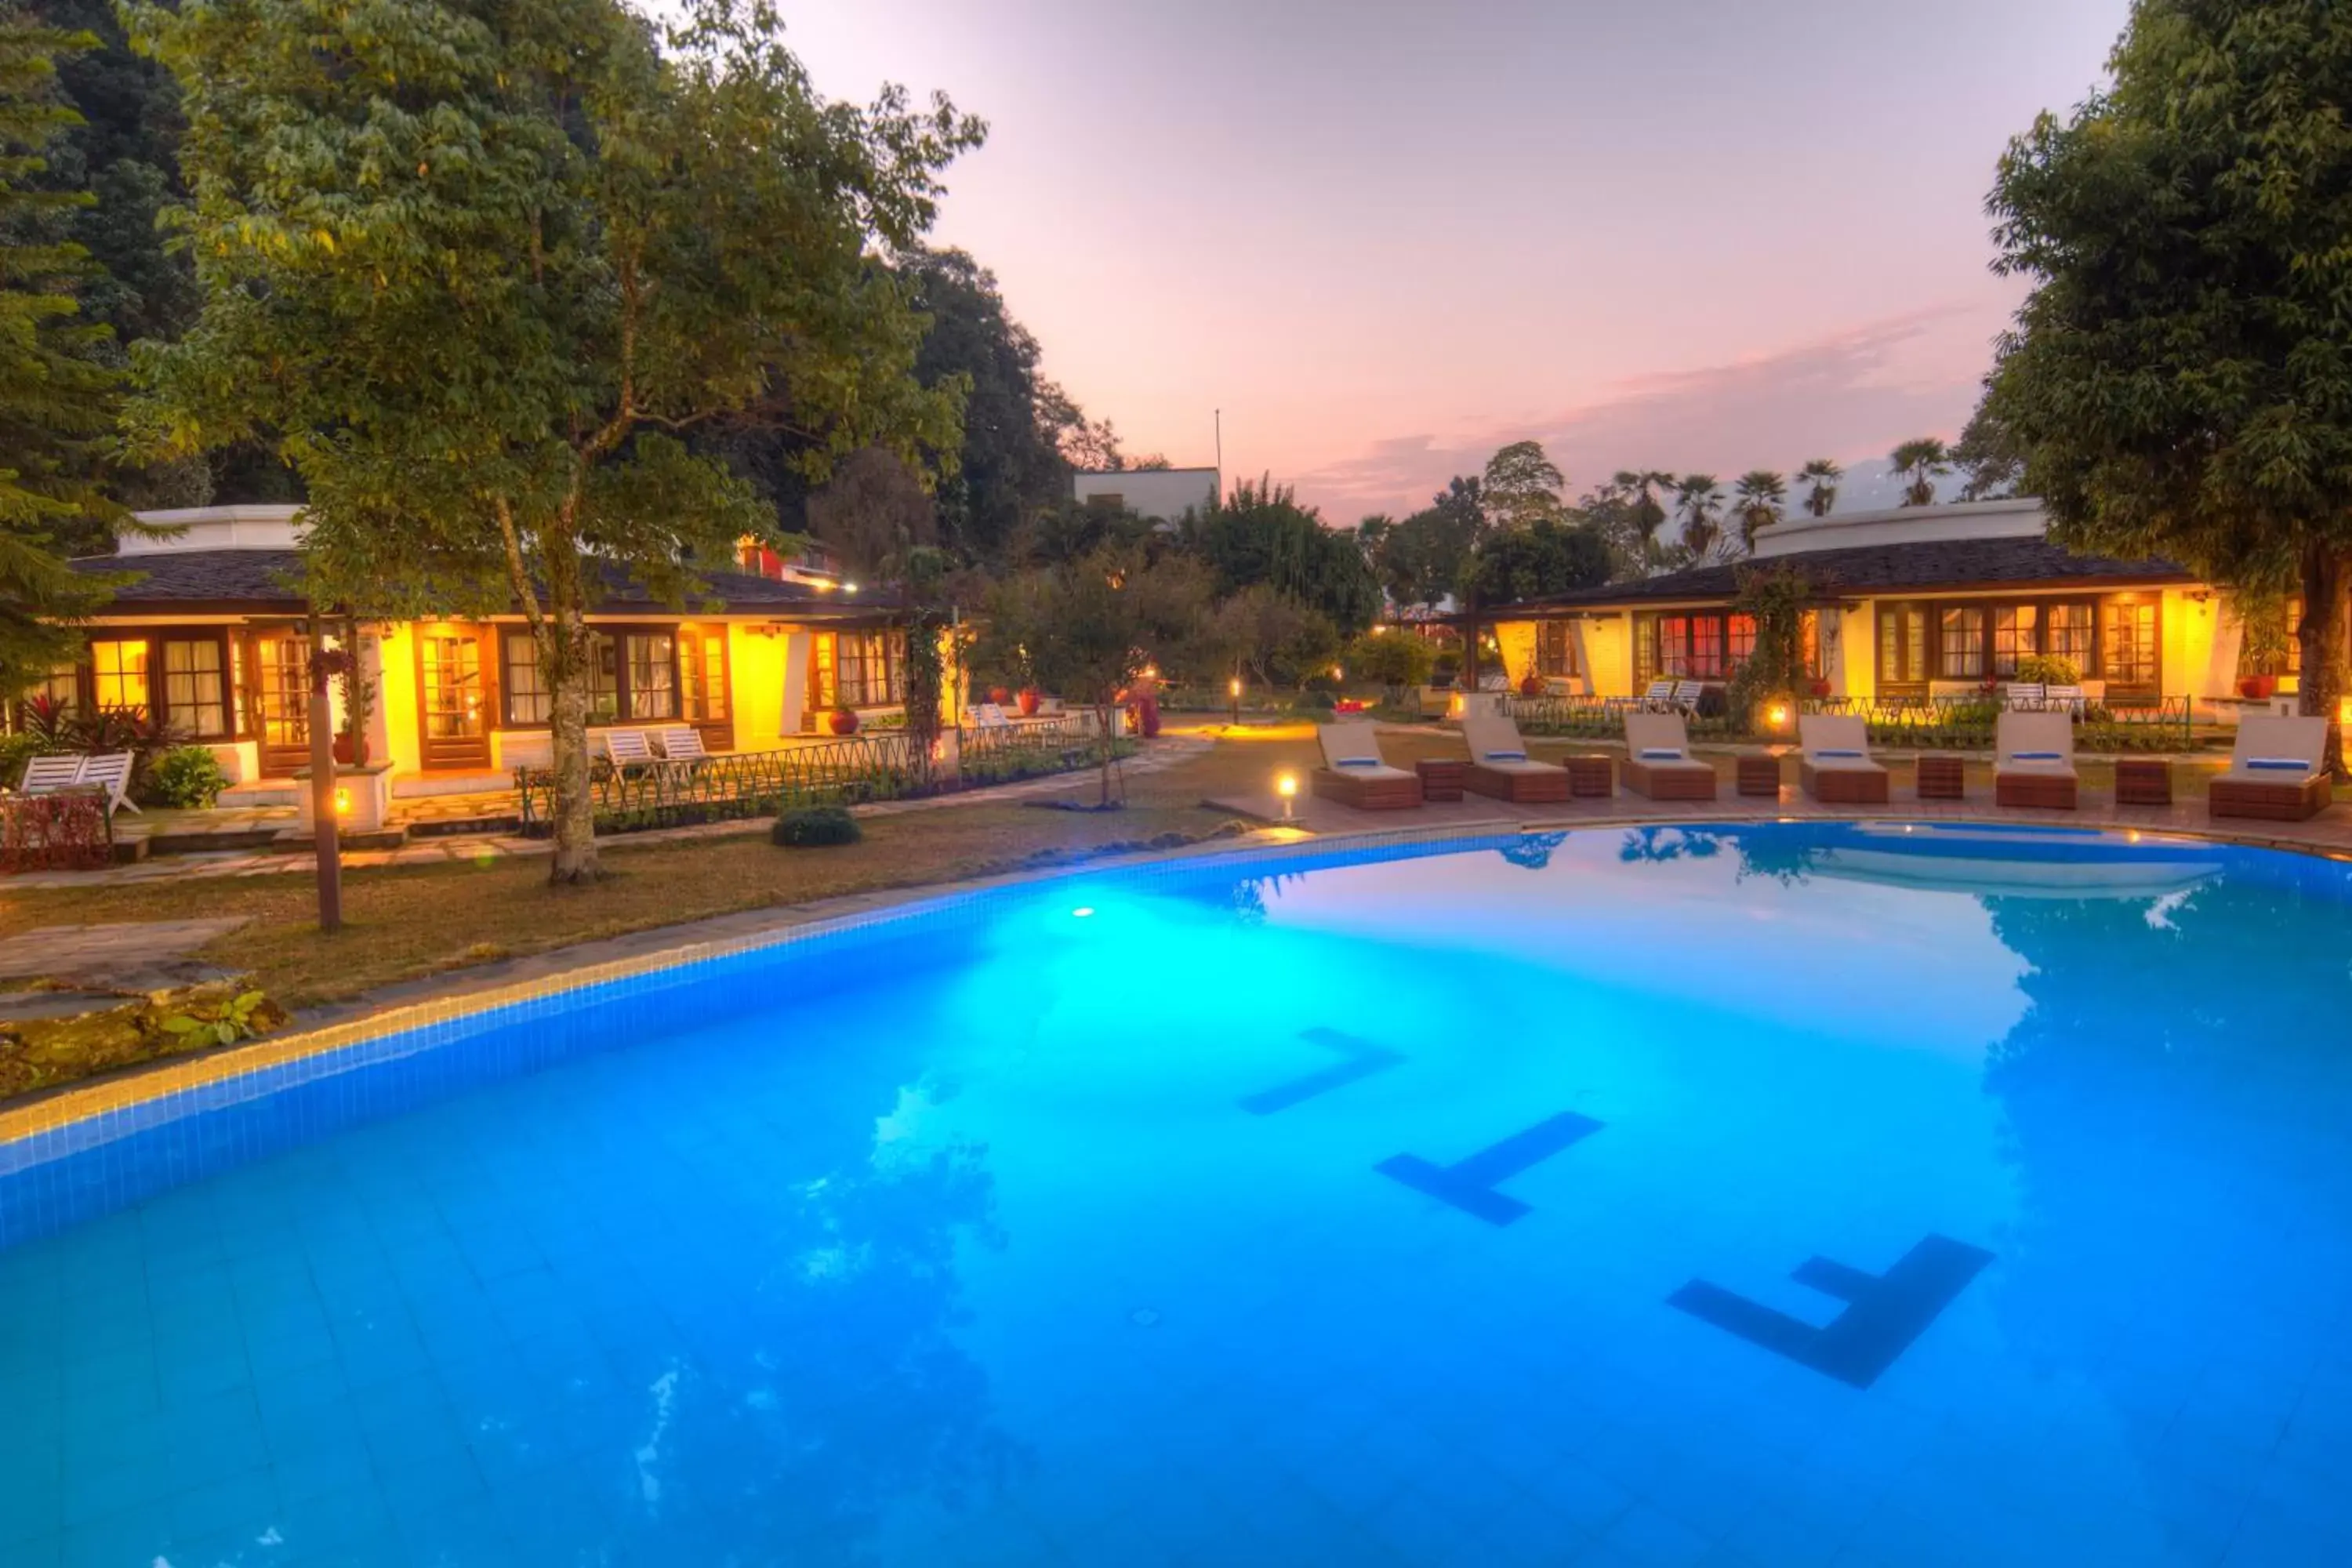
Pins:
<point x="343" y="803"/>
<point x="1286" y="787"/>
<point x="1777" y="716"/>
<point x="1234" y="690"/>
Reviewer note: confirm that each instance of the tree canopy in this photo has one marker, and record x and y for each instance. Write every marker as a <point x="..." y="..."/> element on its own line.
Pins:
<point x="1521" y="486"/>
<point x="2179" y="380"/>
<point x="1259" y="534"/>
<point x="480" y="270"/>
<point x="1541" y="558"/>
<point x="57" y="396"/>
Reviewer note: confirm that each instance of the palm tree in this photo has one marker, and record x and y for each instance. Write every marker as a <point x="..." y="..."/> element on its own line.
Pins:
<point x="1698" y="500"/>
<point x="1822" y="476"/>
<point x="1926" y="460"/>
<point x="1757" y="500"/>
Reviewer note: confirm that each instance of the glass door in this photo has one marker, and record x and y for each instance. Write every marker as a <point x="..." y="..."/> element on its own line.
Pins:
<point x="453" y="707"/>
<point x="281" y="700"/>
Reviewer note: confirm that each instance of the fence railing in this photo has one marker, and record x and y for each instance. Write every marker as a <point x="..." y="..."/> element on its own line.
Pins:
<point x="850" y="771"/>
<point x="2143" y="725"/>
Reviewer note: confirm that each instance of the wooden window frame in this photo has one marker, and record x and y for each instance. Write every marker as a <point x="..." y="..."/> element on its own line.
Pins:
<point x="616" y="636"/>
<point x="1986" y="608"/>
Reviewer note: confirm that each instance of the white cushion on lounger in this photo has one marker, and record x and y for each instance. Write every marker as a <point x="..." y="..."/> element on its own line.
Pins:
<point x="1378" y="771"/>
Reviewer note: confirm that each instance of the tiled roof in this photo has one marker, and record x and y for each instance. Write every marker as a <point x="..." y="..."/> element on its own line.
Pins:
<point x="260" y="579"/>
<point x="1935" y="565"/>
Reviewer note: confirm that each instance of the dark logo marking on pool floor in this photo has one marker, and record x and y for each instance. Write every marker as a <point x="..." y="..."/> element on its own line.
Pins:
<point x="1469" y="1185"/>
<point x="1359" y="1058"/>
<point x="1883" y="1314"/>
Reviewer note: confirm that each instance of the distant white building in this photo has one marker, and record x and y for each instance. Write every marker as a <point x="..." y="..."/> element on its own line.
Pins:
<point x="1163" y="495"/>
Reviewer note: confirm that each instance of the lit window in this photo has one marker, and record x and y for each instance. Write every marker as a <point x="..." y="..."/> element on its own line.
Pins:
<point x="119" y="671"/>
<point x="195" y="692"/>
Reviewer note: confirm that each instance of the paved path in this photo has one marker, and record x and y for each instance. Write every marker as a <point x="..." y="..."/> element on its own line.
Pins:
<point x="1165" y="751"/>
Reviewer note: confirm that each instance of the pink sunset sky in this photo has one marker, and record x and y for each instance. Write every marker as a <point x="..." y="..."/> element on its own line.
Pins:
<point x="1386" y="238"/>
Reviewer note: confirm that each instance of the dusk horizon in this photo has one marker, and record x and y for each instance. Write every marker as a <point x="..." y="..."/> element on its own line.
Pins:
<point x="1383" y="253"/>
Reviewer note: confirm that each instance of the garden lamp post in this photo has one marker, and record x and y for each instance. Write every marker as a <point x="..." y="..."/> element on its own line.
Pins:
<point x="1233" y="692"/>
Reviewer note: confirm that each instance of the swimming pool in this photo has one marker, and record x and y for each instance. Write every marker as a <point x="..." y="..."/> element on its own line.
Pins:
<point x="1772" y="1195"/>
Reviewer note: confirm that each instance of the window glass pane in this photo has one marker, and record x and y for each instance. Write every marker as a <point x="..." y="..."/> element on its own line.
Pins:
<point x="2069" y="634"/>
<point x="603" y="679"/>
<point x="1555" y="650"/>
<point x="451" y="697"/>
<point x="282" y="698"/>
<point x="61" y="686"/>
<point x="1902" y="644"/>
<point x="1645" y="651"/>
<point x="1707" y="647"/>
<point x="2131" y="653"/>
<point x="1674" y="645"/>
<point x="652" y="677"/>
<point x="702" y="674"/>
<point x="824" y="686"/>
<point x="1743" y="639"/>
<point x="1960" y="645"/>
<point x="1809" y="633"/>
<point x="527" y="696"/>
<point x="121" y="675"/>
<point x="2016" y="633"/>
<point x="195" y="695"/>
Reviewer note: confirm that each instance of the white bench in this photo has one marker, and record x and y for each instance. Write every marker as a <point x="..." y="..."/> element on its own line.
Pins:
<point x="63" y="772"/>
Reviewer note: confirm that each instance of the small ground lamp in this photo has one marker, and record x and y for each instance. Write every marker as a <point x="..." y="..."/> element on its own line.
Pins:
<point x="1234" y="690"/>
<point x="1286" y="787"/>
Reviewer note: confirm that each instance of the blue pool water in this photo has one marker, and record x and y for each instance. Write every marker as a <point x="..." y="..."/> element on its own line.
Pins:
<point x="1797" y="1194"/>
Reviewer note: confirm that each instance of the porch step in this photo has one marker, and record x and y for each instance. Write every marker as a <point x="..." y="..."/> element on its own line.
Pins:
<point x="424" y="787"/>
<point x="263" y="792"/>
<point x="205" y="841"/>
<point x="299" y="838"/>
<point x="477" y="827"/>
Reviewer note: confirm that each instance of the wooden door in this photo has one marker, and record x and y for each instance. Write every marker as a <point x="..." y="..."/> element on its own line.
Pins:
<point x="453" y="700"/>
<point x="278" y="677"/>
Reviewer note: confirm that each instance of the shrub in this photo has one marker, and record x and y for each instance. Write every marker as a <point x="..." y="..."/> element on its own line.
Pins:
<point x="2048" y="670"/>
<point x="15" y="751"/>
<point x="188" y="777"/>
<point x="1316" y="698"/>
<point x="814" y="826"/>
<point x="1396" y="658"/>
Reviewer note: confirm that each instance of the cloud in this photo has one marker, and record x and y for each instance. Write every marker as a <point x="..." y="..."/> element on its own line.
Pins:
<point x="1850" y="396"/>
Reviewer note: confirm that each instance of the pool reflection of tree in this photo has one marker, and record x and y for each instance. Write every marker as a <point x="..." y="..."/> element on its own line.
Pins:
<point x="2176" y="1100"/>
<point x="791" y="1388"/>
<point x="1782" y="856"/>
<point x="1532" y="851"/>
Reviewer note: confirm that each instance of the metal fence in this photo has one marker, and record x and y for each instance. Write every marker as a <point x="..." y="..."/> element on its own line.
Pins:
<point x="2145" y="724"/>
<point x="851" y="771"/>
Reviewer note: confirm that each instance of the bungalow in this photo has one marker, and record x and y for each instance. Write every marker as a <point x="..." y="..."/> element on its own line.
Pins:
<point x="1918" y="601"/>
<point x="208" y="637"/>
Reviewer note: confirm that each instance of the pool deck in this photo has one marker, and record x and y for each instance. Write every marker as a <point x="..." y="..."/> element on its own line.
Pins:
<point x="2328" y="834"/>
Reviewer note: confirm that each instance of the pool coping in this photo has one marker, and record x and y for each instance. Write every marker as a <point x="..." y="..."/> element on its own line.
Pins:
<point x="72" y="1106"/>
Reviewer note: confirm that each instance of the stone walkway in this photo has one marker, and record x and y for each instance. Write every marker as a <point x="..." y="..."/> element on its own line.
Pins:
<point x="272" y="861"/>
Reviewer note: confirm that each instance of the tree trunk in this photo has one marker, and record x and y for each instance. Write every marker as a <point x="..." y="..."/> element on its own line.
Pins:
<point x="564" y="651"/>
<point x="326" y="826"/>
<point x="2321" y="679"/>
<point x="1110" y="750"/>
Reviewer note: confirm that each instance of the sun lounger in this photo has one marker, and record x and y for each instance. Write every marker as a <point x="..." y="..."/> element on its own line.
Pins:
<point x="681" y="743"/>
<point x="1500" y="767"/>
<point x="2276" y="772"/>
<point x="2033" y="761"/>
<point x="64" y="773"/>
<point x="1835" y="767"/>
<point x="1688" y="694"/>
<point x="1658" y="762"/>
<point x="1355" y="774"/>
<point x="2028" y="696"/>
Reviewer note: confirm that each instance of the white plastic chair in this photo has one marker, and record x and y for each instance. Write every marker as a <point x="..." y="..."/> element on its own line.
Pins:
<point x="682" y="743"/>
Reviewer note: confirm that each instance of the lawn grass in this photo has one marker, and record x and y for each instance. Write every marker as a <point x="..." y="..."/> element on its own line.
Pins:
<point x="402" y="923"/>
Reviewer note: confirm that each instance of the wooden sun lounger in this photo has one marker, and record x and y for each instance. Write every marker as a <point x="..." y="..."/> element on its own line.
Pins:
<point x="1355" y="774"/>
<point x="1501" y="769"/>
<point x="2276" y="793"/>
<point x="1836" y="768"/>
<point x="1658" y="764"/>
<point x="2033" y="766"/>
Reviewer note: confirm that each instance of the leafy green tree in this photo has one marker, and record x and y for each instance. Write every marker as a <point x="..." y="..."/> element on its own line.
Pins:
<point x="2179" y="381"/>
<point x="1260" y="534"/>
<point x="1418" y="560"/>
<point x="1398" y="659"/>
<point x="1521" y="486"/>
<point x="1991" y="466"/>
<point x="1776" y="598"/>
<point x="1819" y="476"/>
<point x="56" y="397"/>
<point x="480" y="270"/>
<point x="1758" y="499"/>
<point x="1920" y="464"/>
<point x="1625" y="513"/>
<point x="873" y="513"/>
<point x="1698" y="503"/>
<point x="1087" y="628"/>
<point x="1538" y="560"/>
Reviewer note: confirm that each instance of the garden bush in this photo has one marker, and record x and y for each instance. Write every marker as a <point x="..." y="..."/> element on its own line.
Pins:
<point x="2049" y="669"/>
<point x="187" y="777"/>
<point x="15" y="751"/>
<point x="815" y="827"/>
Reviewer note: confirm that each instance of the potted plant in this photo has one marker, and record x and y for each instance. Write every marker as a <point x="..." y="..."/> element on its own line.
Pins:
<point x="2262" y="654"/>
<point x="1029" y="698"/>
<point x="842" y="720"/>
<point x="1000" y="695"/>
<point x="1820" y="686"/>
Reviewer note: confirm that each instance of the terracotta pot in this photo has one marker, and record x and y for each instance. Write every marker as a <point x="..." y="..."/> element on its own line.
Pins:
<point x="343" y="751"/>
<point x="1821" y="687"/>
<point x="1000" y="695"/>
<point x="1029" y="698"/>
<point x="1532" y="685"/>
<point x="2260" y="688"/>
<point x="843" y="720"/>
